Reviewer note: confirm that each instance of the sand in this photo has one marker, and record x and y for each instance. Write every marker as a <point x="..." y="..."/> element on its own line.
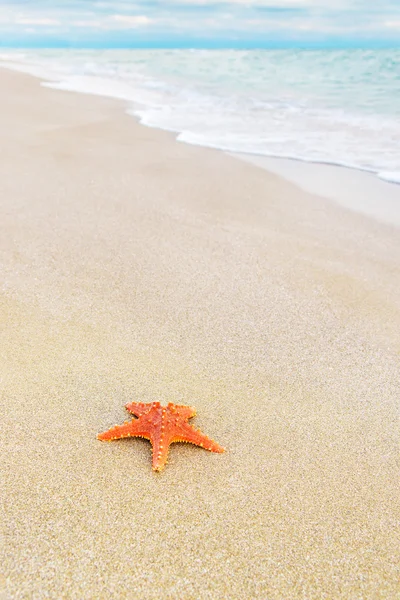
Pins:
<point x="133" y="267"/>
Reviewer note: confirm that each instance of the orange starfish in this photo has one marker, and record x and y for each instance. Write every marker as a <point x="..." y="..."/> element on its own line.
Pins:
<point x="162" y="426"/>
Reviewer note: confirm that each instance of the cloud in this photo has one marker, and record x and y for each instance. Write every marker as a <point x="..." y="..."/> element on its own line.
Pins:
<point x="36" y="21"/>
<point x="88" y="23"/>
<point x="131" y="20"/>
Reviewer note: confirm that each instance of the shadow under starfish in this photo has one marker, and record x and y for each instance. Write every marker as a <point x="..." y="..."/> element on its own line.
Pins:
<point x="162" y="426"/>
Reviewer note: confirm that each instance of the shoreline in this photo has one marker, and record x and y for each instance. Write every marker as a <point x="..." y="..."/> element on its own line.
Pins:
<point x="356" y="190"/>
<point x="338" y="183"/>
<point x="134" y="268"/>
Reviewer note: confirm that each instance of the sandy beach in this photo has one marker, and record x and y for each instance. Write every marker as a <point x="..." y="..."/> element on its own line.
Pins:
<point x="136" y="268"/>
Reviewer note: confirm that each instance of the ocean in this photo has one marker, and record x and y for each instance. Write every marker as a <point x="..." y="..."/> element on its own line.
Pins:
<point x="338" y="107"/>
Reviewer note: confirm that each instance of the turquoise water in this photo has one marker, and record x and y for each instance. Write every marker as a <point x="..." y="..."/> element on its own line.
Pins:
<point x="340" y="107"/>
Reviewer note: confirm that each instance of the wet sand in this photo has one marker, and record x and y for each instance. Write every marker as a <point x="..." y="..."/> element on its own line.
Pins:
<point x="135" y="268"/>
<point x="356" y="190"/>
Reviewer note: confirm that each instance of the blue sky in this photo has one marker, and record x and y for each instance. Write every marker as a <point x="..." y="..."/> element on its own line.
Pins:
<point x="191" y="23"/>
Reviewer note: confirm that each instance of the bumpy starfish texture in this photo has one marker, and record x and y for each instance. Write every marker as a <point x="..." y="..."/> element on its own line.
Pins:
<point x="162" y="426"/>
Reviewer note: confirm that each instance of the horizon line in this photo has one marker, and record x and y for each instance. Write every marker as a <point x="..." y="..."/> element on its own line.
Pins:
<point x="366" y="45"/>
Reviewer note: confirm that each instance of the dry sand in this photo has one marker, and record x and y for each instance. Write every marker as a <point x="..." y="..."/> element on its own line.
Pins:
<point x="132" y="268"/>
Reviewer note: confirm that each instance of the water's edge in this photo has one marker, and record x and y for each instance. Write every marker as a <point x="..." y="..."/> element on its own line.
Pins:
<point x="354" y="189"/>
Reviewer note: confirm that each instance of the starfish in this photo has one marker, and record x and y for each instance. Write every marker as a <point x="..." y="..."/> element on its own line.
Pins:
<point x="162" y="426"/>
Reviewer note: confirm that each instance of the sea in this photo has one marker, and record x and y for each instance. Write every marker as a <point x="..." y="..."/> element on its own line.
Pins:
<point x="339" y="107"/>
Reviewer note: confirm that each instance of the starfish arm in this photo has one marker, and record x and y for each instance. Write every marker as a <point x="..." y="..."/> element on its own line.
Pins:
<point x="160" y="453"/>
<point x="189" y="434"/>
<point x="138" y="408"/>
<point x="129" y="429"/>
<point x="186" y="412"/>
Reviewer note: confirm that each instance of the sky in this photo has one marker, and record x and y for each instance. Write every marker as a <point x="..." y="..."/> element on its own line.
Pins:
<point x="199" y="23"/>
